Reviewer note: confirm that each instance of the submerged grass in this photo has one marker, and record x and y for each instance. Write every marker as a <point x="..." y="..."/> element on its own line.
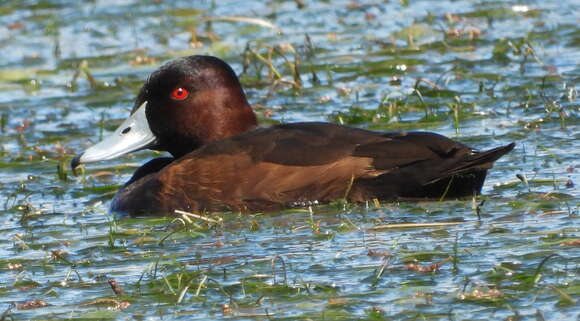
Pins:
<point x="485" y="73"/>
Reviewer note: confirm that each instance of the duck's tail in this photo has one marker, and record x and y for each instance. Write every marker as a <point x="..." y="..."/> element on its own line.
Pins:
<point x="481" y="160"/>
<point x="467" y="177"/>
<point x="459" y="174"/>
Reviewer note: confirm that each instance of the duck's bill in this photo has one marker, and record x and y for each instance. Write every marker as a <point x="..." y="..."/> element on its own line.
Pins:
<point x="134" y="134"/>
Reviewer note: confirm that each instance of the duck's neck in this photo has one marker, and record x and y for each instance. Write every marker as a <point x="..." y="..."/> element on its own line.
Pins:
<point x="227" y="113"/>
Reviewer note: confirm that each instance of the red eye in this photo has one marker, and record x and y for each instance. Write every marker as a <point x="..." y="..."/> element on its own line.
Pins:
<point x="179" y="93"/>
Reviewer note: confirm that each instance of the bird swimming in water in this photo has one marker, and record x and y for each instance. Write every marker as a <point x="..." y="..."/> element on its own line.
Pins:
<point x="195" y="108"/>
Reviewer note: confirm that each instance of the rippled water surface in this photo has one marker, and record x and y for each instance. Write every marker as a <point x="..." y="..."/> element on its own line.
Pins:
<point x="484" y="72"/>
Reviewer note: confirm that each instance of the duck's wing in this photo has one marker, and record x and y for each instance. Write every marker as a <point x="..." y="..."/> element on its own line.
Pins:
<point x="304" y="162"/>
<point x="422" y="165"/>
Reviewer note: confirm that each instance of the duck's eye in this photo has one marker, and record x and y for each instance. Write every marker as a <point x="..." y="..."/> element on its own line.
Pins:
<point x="179" y="93"/>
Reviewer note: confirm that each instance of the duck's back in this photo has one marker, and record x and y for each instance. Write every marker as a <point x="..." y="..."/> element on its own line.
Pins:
<point x="297" y="163"/>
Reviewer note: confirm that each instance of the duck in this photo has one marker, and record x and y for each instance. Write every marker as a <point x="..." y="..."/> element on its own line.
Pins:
<point x="195" y="109"/>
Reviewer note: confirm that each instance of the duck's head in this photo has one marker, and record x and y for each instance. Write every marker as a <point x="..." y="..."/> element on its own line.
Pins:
<point x="184" y="104"/>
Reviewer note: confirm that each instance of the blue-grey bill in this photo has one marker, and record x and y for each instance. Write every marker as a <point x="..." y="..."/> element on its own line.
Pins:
<point x="132" y="135"/>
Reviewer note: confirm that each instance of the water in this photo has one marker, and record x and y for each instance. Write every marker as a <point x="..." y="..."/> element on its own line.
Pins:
<point x="484" y="72"/>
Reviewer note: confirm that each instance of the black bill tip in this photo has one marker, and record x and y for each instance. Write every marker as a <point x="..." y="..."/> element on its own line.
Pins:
<point x="76" y="161"/>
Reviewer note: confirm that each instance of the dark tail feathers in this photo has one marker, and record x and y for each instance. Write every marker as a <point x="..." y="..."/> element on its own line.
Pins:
<point x="482" y="160"/>
<point x="490" y="156"/>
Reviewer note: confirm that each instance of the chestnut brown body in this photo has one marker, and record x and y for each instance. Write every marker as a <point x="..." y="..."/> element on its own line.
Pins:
<point x="197" y="111"/>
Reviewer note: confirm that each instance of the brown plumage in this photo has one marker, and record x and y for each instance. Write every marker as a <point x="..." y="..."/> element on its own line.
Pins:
<point x="221" y="162"/>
